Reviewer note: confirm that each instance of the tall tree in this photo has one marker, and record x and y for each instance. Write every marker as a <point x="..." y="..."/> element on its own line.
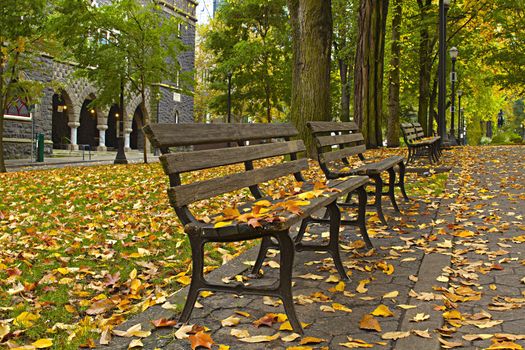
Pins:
<point x="369" y="70"/>
<point x="22" y="24"/>
<point x="394" y="106"/>
<point x="344" y="37"/>
<point x="311" y="22"/>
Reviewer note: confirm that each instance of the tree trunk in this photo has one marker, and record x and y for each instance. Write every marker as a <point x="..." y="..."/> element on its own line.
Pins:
<point x="394" y="106"/>
<point x="3" y="98"/>
<point x="368" y="92"/>
<point x="345" y="91"/>
<point x="425" y="64"/>
<point x="432" y="111"/>
<point x="311" y="22"/>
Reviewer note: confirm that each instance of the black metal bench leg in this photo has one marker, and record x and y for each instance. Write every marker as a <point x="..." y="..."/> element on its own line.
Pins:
<point x="197" y="277"/>
<point x="361" y="216"/>
<point x="379" y="193"/>
<point x="266" y="243"/>
<point x="333" y="245"/>
<point x="402" y="172"/>
<point x="285" y="279"/>
<point x="302" y="229"/>
<point x="392" y="188"/>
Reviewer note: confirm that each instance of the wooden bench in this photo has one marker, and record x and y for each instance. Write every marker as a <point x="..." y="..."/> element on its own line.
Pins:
<point x="418" y="145"/>
<point x="335" y="142"/>
<point x="273" y="229"/>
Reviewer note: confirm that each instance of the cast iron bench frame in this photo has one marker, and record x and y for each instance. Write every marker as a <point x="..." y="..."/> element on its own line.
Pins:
<point x="164" y="136"/>
<point x="336" y="141"/>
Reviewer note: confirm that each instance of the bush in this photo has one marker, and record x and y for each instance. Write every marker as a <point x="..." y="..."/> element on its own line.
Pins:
<point x="516" y="139"/>
<point x="485" y="141"/>
<point x="506" y="138"/>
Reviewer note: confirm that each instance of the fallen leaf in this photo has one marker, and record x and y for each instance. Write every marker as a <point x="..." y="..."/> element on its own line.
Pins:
<point x="230" y="321"/>
<point x="420" y="317"/>
<point x="163" y="322"/>
<point x="133" y="331"/>
<point x="43" y="343"/>
<point x="395" y="335"/>
<point x="290" y="338"/>
<point x="261" y="338"/>
<point x="311" y="340"/>
<point x="472" y="337"/>
<point x="368" y="322"/>
<point x="183" y="332"/>
<point x="361" y="288"/>
<point x="201" y="339"/>
<point x="356" y="343"/>
<point x="449" y="344"/>
<point x="391" y="295"/>
<point x="382" y="311"/>
<point x="135" y="343"/>
<point x="422" y="334"/>
<point x="239" y="333"/>
<point x="286" y="326"/>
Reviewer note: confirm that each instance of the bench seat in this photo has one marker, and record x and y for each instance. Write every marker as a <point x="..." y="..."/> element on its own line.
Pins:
<point x="288" y="219"/>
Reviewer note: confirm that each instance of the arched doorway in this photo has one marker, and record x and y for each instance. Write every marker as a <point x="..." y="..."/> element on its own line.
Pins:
<point x="59" y="123"/>
<point x="87" y="131"/>
<point x="136" y="138"/>
<point x="111" y="132"/>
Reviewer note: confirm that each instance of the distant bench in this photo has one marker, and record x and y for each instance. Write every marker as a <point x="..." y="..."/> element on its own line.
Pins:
<point x="273" y="230"/>
<point x="418" y="145"/>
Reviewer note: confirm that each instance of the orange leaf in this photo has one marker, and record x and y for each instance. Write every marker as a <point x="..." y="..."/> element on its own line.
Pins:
<point x="368" y="322"/>
<point x="163" y="322"/>
<point x="201" y="339"/>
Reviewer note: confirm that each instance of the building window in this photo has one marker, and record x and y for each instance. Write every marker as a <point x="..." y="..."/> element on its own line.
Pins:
<point x="176" y="117"/>
<point x="17" y="110"/>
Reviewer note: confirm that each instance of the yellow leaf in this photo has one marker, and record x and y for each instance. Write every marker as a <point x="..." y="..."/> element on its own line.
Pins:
<point x="184" y="280"/>
<point x="382" y="311"/>
<point x="391" y="295"/>
<point x="263" y="203"/>
<point x="261" y="338"/>
<point x="368" y="322"/>
<point x="395" y="335"/>
<point x="222" y="224"/>
<point x="25" y="319"/>
<point x="286" y="326"/>
<point x="340" y="307"/>
<point x="361" y="288"/>
<point x="224" y="347"/>
<point x="135" y="343"/>
<point x="340" y="287"/>
<point x="230" y="321"/>
<point x="4" y="330"/>
<point x="311" y="340"/>
<point x="43" y="343"/>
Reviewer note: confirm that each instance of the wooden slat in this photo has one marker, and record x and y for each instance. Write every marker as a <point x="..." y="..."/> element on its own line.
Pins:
<point x="339" y="139"/>
<point x="343" y="153"/>
<point x="198" y="160"/>
<point x="186" y="194"/>
<point x="318" y="127"/>
<point x="173" y="135"/>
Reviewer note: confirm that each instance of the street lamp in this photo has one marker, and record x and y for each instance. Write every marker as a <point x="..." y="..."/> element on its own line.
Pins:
<point x="453" y="79"/>
<point x="442" y="126"/>
<point x="229" y="97"/>
<point x="460" y="93"/>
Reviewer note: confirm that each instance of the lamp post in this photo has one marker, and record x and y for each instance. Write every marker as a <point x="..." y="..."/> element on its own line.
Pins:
<point x="121" y="154"/>
<point x="229" y="97"/>
<point x="462" y="126"/>
<point x="442" y="126"/>
<point x="453" y="79"/>
<point x="460" y="93"/>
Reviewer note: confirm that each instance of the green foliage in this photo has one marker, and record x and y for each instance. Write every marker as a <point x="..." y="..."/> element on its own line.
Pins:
<point x="250" y="39"/>
<point x="122" y="41"/>
<point x="22" y="27"/>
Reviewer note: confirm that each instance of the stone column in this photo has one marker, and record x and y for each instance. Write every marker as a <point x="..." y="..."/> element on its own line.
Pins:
<point x="73" y="139"/>
<point x="127" y="132"/>
<point x="102" y="138"/>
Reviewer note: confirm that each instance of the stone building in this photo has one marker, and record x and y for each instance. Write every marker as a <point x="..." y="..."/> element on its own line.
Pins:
<point x="67" y="122"/>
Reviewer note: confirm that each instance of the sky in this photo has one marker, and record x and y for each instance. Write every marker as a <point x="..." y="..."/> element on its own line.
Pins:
<point x="204" y="11"/>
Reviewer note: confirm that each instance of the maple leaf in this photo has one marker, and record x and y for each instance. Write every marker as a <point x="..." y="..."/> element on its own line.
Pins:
<point x="201" y="339"/>
<point x="100" y="307"/>
<point x="163" y="322"/>
<point x="267" y="320"/>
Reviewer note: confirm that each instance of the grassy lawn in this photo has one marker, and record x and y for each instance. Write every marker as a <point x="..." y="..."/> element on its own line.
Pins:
<point x="84" y="248"/>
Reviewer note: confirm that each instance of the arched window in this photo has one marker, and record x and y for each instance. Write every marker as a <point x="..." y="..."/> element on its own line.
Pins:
<point x="18" y="109"/>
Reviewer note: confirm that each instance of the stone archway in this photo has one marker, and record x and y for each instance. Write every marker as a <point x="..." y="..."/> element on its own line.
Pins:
<point x="60" y="118"/>
<point x="87" y="131"/>
<point x="136" y="136"/>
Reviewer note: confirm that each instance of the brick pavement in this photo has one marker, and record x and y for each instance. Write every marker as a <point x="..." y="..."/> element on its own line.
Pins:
<point x="428" y="258"/>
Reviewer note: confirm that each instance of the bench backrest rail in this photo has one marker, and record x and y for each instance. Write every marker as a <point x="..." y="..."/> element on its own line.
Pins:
<point x="409" y="133"/>
<point x="176" y="135"/>
<point x="336" y="141"/>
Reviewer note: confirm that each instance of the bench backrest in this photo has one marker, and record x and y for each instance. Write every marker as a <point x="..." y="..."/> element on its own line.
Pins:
<point x="409" y="133"/>
<point x="420" y="133"/>
<point x="335" y="141"/>
<point x="277" y="136"/>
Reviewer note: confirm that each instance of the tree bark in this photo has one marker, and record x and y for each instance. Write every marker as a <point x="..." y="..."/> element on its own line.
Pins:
<point x="345" y="91"/>
<point x="311" y="22"/>
<point x="425" y="64"/>
<point x="394" y="106"/>
<point x="369" y="70"/>
<point x="2" y="106"/>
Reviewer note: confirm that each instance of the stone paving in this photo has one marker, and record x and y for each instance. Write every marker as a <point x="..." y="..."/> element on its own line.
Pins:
<point x="429" y="257"/>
